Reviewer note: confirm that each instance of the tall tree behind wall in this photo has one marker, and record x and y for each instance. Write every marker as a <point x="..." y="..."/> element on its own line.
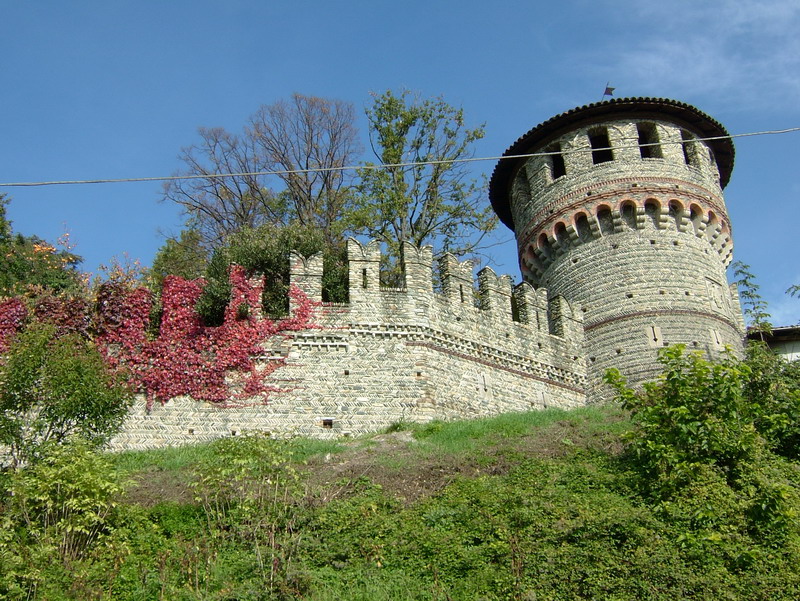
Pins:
<point x="307" y="140"/>
<point x="434" y="203"/>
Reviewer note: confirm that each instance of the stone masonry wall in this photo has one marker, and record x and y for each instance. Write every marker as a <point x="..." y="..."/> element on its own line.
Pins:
<point x="397" y="354"/>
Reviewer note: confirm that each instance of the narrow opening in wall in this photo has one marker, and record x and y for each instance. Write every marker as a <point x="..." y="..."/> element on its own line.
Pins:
<point x="649" y="146"/>
<point x="544" y="246"/>
<point x="712" y="226"/>
<point x="601" y="146"/>
<point x="653" y="210"/>
<point x="556" y="161"/>
<point x="696" y="217"/>
<point x="689" y="148"/>
<point x="515" y="316"/>
<point x="561" y="234"/>
<point x="347" y="372"/>
<point x="461" y="292"/>
<point x="327" y="423"/>
<point x="364" y="278"/>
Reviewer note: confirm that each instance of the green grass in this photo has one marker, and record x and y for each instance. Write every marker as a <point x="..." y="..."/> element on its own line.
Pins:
<point x="187" y="456"/>
<point x="549" y="509"/>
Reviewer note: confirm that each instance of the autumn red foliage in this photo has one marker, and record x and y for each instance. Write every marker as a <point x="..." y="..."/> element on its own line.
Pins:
<point x="13" y="313"/>
<point x="216" y="364"/>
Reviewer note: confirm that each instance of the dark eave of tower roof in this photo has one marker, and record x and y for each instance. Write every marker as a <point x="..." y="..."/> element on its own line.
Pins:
<point x="680" y="113"/>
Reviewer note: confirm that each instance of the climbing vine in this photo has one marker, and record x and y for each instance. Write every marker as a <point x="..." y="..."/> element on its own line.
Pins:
<point x="216" y="364"/>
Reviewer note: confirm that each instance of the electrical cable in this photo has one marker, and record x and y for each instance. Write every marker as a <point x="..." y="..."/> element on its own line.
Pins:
<point x="379" y="166"/>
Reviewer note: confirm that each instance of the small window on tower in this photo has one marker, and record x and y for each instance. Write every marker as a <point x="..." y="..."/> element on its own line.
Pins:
<point x="649" y="146"/>
<point x="556" y="161"/>
<point x="601" y="146"/>
<point x="689" y="149"/>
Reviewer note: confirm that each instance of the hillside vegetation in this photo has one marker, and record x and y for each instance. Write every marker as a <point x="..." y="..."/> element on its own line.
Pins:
<point x="684" y="491"/>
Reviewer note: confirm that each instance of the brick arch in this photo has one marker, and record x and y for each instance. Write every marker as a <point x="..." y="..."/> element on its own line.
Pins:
<point x="583" y="229"/>
<point x="560" y="233"/>
<point x="627" y="212"/>
<point x="676" y="211"/>
<point x="652" y="209"/>
<point x="605" y="219"/>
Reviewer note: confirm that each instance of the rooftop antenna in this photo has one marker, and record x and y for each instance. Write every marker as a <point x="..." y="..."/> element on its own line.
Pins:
<point x="609" y="91"/>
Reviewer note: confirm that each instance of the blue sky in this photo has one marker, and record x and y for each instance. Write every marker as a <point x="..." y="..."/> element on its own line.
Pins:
<point x="114" y="89"/>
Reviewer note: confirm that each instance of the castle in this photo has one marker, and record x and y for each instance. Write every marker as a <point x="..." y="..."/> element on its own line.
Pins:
<point x="623" y="239"/>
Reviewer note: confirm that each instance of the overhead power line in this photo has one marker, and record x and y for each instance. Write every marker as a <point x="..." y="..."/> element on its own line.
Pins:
<point x="379" y="166"/>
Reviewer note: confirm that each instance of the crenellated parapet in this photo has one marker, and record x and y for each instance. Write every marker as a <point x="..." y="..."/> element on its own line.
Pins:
<point x="456" y="297"/>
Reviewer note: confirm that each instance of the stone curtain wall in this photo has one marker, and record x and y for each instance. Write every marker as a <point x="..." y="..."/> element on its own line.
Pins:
<point x="398" y="354"/>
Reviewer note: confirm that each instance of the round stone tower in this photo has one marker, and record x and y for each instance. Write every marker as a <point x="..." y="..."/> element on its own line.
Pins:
<point x="622" y="213"/>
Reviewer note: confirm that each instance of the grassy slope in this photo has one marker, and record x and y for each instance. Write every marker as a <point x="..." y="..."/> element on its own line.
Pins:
<point x="538" y="505"/>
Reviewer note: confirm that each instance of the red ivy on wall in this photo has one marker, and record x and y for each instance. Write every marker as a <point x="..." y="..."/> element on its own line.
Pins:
<point x="13" y="313"/>
<point x="216" y="364"/>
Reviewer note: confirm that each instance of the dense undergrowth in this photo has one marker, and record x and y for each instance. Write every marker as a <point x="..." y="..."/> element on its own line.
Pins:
<point x="544" y="505"/>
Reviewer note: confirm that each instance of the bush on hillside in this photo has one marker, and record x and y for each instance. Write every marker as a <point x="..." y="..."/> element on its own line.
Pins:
<point x="53" y="387"/>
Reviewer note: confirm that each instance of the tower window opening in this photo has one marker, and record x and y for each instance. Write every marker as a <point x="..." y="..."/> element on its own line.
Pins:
<point x="689" y="149"/>
<point x="556" y="161"/>
<point x="601" y="146"/>
<point x="649" y="146"/>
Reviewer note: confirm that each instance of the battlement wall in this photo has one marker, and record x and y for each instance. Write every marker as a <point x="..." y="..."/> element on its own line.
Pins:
<point x="418" y="352"/>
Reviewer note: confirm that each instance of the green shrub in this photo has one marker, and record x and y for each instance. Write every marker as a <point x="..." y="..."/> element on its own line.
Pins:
<point x="52" y="388"/>
<point x="695" y="414"/>
<point x="59" y="509"/>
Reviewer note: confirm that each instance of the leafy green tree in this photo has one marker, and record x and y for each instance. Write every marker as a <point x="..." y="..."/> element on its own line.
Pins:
<point x="693" y="416"/>
<point x="58" y="511"/>
<point x="704" y="432"/>
<point x="30" y="261"/>
<point x="54" y="387"/>
<point x="5" y="224"/>
<point x="773" y="393"/>
<point x="184" y="256"/>
<point x="755" y="307"/>
<point x="422" y="193"/>
<point x="265" y="250"/>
